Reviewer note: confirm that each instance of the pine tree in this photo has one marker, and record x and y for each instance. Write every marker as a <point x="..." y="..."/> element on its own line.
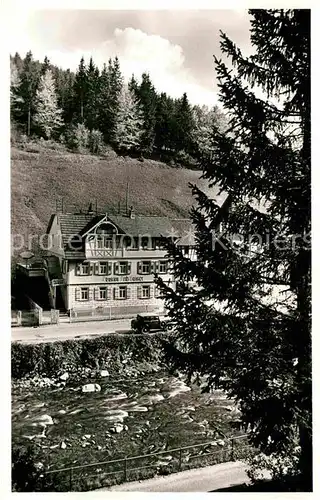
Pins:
<point x="45" y="66"/>
<point x="165" y="123"/>
<point x="129" y="123"/>
<point x="48" y="114"/>
<point x="146" y="94"/>
<point x="80" y="92"/>
<point x="184" y="125"/>
<point x="110" y="85"/>
<point x="26" y="92"/>
<point x="92" y="119"/>
<point x="243" y="308"/>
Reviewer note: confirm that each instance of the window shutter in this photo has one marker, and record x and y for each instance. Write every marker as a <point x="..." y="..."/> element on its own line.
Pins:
<point x="96" y="268"/>
<point x="109" y="264"/>
<point x="139" y="292"/>
<point x="109" y="292"/>
<point x="96" y="294"/>
<point x="128" y="292"/>
<point x="91" y="293"/>
<point x="129" y="268"/>
<point x="151" y="292"/>
<point x="78" y="267"/>
<point x="156" y="267"/>
<point x="77" y="293"/>
<point x="91" y="266"/>
<point x="116" y="268"/>
<point x="139" y="267"/>
<point x="116" y="292"/>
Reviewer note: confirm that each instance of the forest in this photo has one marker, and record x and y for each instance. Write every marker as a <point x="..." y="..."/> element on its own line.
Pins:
<point x="92" y="108"/>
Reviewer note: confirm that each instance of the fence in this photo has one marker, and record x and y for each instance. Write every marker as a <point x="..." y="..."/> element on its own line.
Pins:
<point x="104" y="474"/>
<point x="105" y="313"/>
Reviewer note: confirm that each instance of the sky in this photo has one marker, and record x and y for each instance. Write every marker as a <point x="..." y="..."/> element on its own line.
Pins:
<point x="175" y="47"/>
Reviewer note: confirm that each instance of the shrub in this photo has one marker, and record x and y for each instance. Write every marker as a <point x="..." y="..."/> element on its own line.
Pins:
<point x="26" y="473"/>
<point x="51" y="358"/>
<point x="96" y="144"/>
<point x="281" y="466"/>
<point x="78" y="138"/>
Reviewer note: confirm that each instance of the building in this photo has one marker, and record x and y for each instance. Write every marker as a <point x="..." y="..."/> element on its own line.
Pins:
<point x="105" y="264"/>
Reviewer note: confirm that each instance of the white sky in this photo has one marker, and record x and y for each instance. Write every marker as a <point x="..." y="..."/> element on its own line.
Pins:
<point x="175" y="47"/>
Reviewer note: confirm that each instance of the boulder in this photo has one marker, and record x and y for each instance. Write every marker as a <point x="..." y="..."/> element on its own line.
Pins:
<point x="45" y="420"/>
<point x="62" y="412"/>
<point x="104" y="373"/>
<point x="91" y="388"/>
<point x="63" y="445"/>
<point x="64" y="376"/>
<point x="117" y="428"/>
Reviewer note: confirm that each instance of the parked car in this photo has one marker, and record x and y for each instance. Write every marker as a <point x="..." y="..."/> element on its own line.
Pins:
<point x="146" y="322"/>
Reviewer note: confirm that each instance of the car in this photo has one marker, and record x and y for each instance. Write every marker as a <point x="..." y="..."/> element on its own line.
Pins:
<point x="146" y="322"/>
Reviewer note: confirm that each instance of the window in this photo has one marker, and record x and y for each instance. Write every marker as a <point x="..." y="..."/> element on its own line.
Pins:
<point x="84" y="295"/>
<point x="145" y="292"/>
<point x="102" y="293"/>
<point x="122" y="292"/>
<point x="103" y="268"/>
<point x="123" y="267"/>
<point x="83" y="269"/>
<point x="146" y="267"/>
<point x="162" y="266"/>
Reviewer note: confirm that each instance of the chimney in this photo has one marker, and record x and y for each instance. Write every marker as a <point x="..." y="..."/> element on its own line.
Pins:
<point x="132" y="214"/>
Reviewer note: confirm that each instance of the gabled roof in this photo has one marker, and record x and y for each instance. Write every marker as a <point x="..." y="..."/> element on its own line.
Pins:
<point x="152" y="226"/>
<point x="73" y="226"/>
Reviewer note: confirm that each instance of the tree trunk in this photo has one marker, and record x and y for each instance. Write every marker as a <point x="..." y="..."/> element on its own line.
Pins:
<point x="29" y="121"/>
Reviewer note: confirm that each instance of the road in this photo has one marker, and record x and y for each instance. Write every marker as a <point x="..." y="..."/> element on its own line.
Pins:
<point x="198" y="480"/>
<point x="50" y="333"/>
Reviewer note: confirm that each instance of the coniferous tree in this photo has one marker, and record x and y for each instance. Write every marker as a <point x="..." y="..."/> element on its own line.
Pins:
<point x="110" y="85"/>
<point x="80" y="92"/>
<point x="29" y="80"/>
<point x="64" y="86"/>
<point x="146" y="94"/>
<point x="45" y="66"/>
<point x="165" y="123"/>
<point x="48" y="114"/>
<point x="184" y="125"/>
<point x="243" y="309"/>
<point x="93" y="91"/>
<point x="129" y="123"/>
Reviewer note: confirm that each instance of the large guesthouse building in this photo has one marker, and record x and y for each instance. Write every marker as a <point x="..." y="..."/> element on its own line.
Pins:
<point x="106" y="263"/>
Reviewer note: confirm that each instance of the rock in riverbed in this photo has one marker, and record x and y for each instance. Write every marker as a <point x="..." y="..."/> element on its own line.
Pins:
<point x="91" y="388"/>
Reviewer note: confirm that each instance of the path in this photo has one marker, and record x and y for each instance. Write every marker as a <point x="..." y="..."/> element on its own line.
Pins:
<point x="200" y="480"/>
<point x="49" y="333"/>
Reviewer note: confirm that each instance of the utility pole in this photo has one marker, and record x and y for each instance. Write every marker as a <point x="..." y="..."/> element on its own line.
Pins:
<point x="127" y="199"/>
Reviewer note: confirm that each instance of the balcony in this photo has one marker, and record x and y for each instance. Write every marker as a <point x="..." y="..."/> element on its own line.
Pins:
<point x="124" y="253"/>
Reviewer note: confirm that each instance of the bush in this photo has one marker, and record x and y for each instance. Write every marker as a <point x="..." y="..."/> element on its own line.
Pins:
<point x="281" y="466"/>
<point x="96" y="144"/>
<point x="78" y="138"/>
<point x="26" y="472"/>
<point x="108" y="352"/>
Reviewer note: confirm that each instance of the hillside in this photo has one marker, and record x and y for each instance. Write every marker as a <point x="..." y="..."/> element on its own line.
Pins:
<point x="39" y="178"/>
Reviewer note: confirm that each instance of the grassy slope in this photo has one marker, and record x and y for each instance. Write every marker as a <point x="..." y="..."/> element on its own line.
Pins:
<point x="39" y="178"/>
